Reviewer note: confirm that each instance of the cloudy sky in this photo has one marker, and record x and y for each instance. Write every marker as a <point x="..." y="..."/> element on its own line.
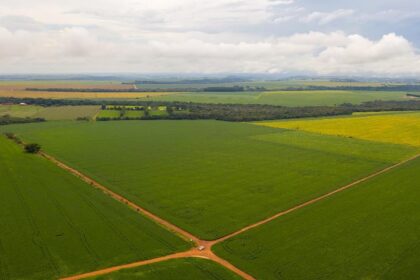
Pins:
<point x="358" y="37"/>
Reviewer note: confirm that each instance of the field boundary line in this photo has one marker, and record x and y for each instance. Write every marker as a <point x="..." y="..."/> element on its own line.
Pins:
<point x="312" y="201"/>
<point x="192" y="253"/>
<point x="166" y="224"/>
<point x="203" y="247"/>
<point x="130" y="265"/>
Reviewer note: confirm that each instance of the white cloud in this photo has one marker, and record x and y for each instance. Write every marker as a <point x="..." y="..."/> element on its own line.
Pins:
<point x="327" y="17"/>
<point x="191" y="36"/>
<point x="78" y="49"/>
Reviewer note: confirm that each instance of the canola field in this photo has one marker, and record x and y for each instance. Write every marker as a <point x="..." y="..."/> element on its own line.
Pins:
<point x="401" y="128"/>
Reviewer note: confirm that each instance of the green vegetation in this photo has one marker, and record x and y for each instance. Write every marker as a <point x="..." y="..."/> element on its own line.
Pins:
<point x="19" y="111"/>
<point x="52" y="224"/>
<point x="210" y="177"/>
<point x="49" y="113"/>
<point x="109" y="114"/>
<point x="67" y="112"/>
<point x="32" y="148"/>
<point x="178" y="269"/>
<point x="131" y="112"/>
<point x="368" y="232"/>
<point x="284" y="98"/>
<point x="6" y="119"/>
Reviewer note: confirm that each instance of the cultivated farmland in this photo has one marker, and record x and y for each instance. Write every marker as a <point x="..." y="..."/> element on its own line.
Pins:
<point x="370" y="231"/>
<point x="52" y="224"/>
<point x="49" y="113"/>
<point x="20" y="111"/>
<point x="283" y="98"/>
<point x="178" y="269"/>
<point x="402" y="128"/>
<point x="67" y="112"/>
<point x="209" y="177"/>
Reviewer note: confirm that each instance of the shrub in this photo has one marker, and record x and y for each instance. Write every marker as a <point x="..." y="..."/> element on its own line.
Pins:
<point x="32" y="148"/>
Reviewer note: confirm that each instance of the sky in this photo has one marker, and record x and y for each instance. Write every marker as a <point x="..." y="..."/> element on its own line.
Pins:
<point x="325" y="37"/>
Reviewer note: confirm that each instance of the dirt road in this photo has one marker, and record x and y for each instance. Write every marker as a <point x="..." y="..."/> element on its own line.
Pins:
<point x="203" y="247"/>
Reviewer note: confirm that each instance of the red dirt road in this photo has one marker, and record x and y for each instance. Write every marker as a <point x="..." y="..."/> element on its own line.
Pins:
<point x="205" y="251"/>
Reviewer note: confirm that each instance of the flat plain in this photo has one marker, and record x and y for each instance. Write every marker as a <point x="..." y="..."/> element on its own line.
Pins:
<point x="370" y="231"/>
<point x="52" y="224"/>
<point x="49" y="113"/>
<point x="283" y="98"/>
<point x="211" y="178"/>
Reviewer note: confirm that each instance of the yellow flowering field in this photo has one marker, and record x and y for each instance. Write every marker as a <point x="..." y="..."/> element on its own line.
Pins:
<point x="399" y="128"/>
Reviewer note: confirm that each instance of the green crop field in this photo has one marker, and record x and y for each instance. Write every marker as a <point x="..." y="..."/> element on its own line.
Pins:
<point x="21" y="111"/>
<point x="178" y="269"/>
<point x="284" y="98"/>
<point x="52" y="224"/>
<point x="370" y="231"/>
<point x="109" y="114"/>
<point x="210" y="177"/>
<point x="133" y="114"/>
<point x="49" y="113"/>
<point x="67" y="112"/>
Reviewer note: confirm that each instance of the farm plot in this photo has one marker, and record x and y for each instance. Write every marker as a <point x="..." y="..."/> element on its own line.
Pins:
<point x="109" y="114"/>
<point x="52" y="224"/>
<point x="178" y="269"/>
<point x="20" y="111"/>
<point x="284" y="98"/>
<point x="370" y="231"/>
<point x="49" y="113"/>
<point x="67" y="112"/>
<point x="393" y="128"/>
<point x="210" y="178"/>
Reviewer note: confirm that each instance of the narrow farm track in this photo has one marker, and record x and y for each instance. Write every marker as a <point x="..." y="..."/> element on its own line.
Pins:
<point x="312" y="201"/>
<point x="186" y="235"/>
<point x="203" y="247"/>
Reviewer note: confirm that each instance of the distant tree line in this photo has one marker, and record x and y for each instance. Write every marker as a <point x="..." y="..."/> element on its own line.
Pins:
<point x="229" y="112"/>
<point x="7" y="119"/>
<point x="413" y="95"/>
<point x="189" y="89"/>
<point x="230" y="79"/>
<point x="357" y="88"/>
<point x="234" y="88"/>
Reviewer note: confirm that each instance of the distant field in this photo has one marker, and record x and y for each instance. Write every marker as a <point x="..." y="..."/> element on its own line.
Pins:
<point x="19" y="110"/>
<point x="210" y="177"/>
<point x="21" y="85"/>
<point x="49" y="113"/>
<point x="370" y="231"/>
<point x="178" y="269"/>
<point x="393" y="128"/>
<point x="284" y="98"/>
<point x="52" y="224"/>
<point x="67" y="112"/>
<point x="278" y="97"/>
<point x="133" y="114"/>
<point x="80" y="95"/>
<point x="108" y="114"/>
<point x="269" y="85"/>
